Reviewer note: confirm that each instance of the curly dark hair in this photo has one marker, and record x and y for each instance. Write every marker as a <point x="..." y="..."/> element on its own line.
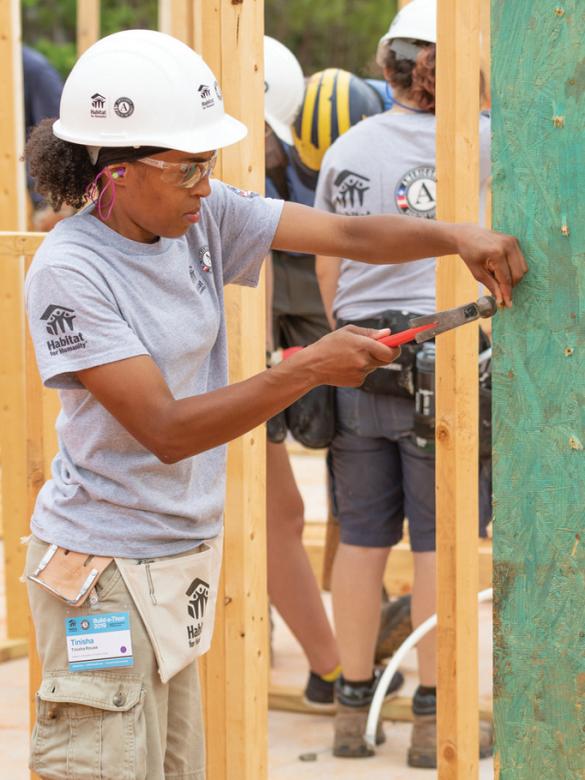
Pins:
<point x="415" y="78"/>
<point x="62" y="170"/>
<point x="423" y="79"/>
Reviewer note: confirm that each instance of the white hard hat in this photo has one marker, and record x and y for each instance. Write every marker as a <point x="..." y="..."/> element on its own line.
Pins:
<point x="144" y="88"/>
<point x="284" y="87"/>
<point x="417" y="21"/>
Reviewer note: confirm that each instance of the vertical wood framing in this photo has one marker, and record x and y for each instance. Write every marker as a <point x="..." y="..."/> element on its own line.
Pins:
<point x="37" y="471"/>
<point x="457" y="398"/>
<point x="12" y="217"/>
<point x="230" y="38"/>
<point x="539" y="380"/>
<point x="175" y="17"/>
<point x="88" y="24"/>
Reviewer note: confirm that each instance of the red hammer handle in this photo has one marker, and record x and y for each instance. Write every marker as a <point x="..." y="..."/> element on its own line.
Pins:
<point x="397" y="339"/>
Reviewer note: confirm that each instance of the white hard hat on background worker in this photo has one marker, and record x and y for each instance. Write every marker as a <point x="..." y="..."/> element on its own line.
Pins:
<point x="284" y="86"/>
<point x="152" y="90"/>
<point x="417" y="21"/>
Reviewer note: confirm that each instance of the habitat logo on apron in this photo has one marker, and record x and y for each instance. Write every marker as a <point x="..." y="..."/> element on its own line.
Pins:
<point x="198" y="595"/>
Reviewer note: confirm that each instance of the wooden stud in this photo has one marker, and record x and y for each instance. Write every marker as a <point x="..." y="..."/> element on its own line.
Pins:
<point x="290" y="699"/>
<point x="457" y="397"/>
<point x="538" y="378"/>
<point x="88" y="24"/>
<point x="13" y="244"/>
<point x="486" y="55"/>
<point x="12" y="217"/>
<point x="36" y="474"/>
<point x="175" y="17"/>
<point x="235" y="673"/>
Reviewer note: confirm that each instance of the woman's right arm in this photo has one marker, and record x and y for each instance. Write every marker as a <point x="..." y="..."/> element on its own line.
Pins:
<point x="327" y="270"/>
<point x="136" y="394"/>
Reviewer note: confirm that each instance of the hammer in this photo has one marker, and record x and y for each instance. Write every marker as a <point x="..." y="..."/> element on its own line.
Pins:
<point x="430" y="325"/>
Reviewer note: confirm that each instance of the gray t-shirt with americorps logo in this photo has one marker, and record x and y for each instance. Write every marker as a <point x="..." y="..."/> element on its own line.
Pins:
<point x="386" y="165"/>
<point x="94" y="297"/>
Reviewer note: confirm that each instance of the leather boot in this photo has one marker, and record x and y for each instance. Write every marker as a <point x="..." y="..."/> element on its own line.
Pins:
<point x="423" y="744"/>
<point x="353" y="706"/>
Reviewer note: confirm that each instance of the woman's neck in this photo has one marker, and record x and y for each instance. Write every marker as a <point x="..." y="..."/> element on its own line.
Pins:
<point x="403" y="104"/>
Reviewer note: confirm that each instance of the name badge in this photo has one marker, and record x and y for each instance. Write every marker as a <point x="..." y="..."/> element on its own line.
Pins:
<point x="100" y="641"/>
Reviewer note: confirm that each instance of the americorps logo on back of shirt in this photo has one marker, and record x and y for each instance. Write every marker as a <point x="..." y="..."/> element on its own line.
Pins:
<point x="416" y="193"/>
<point x="59" y="324"/>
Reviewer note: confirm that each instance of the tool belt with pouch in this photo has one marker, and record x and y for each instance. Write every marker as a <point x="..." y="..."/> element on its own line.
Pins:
<point x="398" y="377"/>
<point x="176" y="599"/>
<point x="175" y="596"/>
<point x="69" y="576"/>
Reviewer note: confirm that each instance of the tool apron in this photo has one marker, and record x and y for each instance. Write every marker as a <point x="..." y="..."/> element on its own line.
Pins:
<point x="176" y="599"/>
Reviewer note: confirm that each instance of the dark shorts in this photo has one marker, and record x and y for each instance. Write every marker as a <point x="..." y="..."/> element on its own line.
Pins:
<point x="380" y="475"/>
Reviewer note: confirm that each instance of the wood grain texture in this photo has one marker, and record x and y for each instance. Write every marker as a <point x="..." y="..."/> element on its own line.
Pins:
<point x="457" y="398"/>
<point x="539" y="391"/>
<point x="13" y="441"/>
<point x="235" y="672"/>
<point x="88" y="24"/>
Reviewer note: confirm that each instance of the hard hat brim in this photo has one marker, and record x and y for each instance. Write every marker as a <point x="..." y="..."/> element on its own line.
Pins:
<point x="225" y="132"/>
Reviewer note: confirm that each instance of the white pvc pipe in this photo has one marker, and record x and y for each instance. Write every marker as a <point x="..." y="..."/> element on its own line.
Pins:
<point x="389" y="672"/>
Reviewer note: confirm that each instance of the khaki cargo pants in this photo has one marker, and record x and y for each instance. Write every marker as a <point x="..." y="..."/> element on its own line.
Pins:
<point x="118" y="724"/>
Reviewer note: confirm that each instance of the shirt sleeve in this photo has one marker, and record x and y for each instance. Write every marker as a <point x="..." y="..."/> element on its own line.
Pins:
<point x="323" y="193"/>
<point x="247" y="224"/>
<point x="74" y="325"/>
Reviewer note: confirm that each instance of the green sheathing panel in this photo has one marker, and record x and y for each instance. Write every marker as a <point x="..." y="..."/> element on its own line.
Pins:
<point x="539" y="391"/>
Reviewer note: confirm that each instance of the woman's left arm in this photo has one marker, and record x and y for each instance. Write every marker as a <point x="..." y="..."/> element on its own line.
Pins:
<point x="495" y="259"/>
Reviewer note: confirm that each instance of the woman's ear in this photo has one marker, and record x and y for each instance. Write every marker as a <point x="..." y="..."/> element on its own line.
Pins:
<point x="118" y="172"/>
<point x="387" y="74"/>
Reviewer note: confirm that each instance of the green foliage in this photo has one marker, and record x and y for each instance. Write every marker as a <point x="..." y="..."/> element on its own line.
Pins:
<point x="335" y="33"/>
<point x="322" y="33"/>
<point x="49" y="25"/>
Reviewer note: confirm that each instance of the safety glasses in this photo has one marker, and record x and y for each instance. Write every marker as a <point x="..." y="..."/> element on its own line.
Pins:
<point x="186" y="174"/>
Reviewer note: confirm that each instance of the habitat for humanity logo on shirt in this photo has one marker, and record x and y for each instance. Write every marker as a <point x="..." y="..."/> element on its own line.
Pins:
<point x="59" y="325"/>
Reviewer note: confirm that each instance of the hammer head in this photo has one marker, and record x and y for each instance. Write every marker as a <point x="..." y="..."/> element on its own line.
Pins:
<point x="452" y="318"/>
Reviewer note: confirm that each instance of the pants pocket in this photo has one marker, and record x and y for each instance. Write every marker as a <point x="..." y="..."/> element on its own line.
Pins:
<point x="90" y="726"/>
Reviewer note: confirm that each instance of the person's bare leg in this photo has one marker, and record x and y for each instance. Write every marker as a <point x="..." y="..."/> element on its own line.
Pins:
<point x="356" y="588"/>
<point x="292" y="587"/>
<point x="423" y="606"/>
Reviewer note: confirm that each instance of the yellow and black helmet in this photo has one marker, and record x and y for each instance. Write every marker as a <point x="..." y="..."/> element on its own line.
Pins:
<point x="334" y="101"/>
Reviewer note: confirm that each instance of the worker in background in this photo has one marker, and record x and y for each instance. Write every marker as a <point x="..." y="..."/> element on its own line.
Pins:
<point x="382" y="470"/>
<point x="42" y="95"/>
<point x="297" y="318"/>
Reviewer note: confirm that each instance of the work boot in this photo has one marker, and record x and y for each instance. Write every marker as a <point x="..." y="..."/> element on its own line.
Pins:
<point x="353" y="706"/>
<point x="395" y="627"/>
<point x="423" y="744"/>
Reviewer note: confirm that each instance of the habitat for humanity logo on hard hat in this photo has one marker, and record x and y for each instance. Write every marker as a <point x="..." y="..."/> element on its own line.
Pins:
<point x="98" y="106"/>
<point x="206" y="95"/>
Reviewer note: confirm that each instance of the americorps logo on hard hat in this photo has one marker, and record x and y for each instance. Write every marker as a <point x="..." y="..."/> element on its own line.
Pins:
<point x="144" y="88"/>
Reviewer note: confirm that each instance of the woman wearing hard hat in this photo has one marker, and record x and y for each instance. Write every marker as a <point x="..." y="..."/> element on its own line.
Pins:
<point x="125" y="305"/>
<point x="383" y="472"/>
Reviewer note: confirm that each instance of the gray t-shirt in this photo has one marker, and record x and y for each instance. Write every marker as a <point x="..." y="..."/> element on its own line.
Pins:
<point x="386" y="165"/>
<point x="95" y="297"/>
